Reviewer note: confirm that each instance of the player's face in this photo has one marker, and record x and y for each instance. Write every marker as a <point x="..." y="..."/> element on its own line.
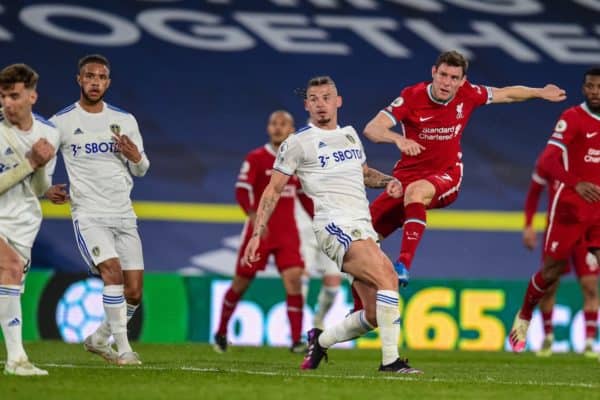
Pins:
<point x="322" y="103"/>
<point x="17" y="102"/>
<point x="446" y="81"/>
<point x="94" y="80"/>
<point x="279" y="128"/>
<point x="591" y="92"/>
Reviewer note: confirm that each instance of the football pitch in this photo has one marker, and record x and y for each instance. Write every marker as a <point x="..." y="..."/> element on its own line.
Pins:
<point x="194" y="371"/>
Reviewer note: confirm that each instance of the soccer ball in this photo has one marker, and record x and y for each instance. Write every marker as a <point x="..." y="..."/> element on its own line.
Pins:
<point x="80" y="310"/>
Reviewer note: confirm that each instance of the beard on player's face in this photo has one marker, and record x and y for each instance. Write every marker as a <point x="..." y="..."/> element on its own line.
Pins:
<point x="94" y="98"/>
<point x="594" y="106"/>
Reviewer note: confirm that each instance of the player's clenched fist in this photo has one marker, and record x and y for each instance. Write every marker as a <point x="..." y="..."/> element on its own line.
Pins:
<point x="41" y="152"/>
<point x="127" y="148"/>
<point x="394" y="189"/>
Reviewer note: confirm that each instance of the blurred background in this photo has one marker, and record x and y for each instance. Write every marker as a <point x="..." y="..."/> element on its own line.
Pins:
<point x="202" y="76"/>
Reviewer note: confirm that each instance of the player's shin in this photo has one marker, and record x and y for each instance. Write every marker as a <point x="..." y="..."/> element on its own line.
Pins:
<point x="535" y="291"/>
<point x="11" y="321"/>
<point x="295" y="304"/>
<point x="116" y="314"/>
<point x="324" y="302"/>
<point x="412" y="232"/>
<point x="353" y="326"/>
<point x="388" y="320"/>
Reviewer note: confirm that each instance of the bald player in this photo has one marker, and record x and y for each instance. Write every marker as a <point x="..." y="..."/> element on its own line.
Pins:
<point x="281" y="238"/>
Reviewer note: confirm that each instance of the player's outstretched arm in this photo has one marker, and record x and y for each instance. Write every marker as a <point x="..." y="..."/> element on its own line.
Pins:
<point x="267" y="204"/>
<point x="378" y="131"/>
<point x="513" y="94"/>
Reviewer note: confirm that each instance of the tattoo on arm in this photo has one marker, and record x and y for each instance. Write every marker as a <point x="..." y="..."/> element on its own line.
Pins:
<point x="265" y="208"/>
<point x="375" y="179"/>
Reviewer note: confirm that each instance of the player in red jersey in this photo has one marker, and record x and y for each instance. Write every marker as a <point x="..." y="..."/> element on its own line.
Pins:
<point x="572" y="157"/>
<point x="282" y="238"/>
<point x="584" y="264"/>
<point x="433" y="116"/>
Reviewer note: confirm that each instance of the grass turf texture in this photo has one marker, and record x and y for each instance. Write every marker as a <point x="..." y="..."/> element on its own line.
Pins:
<point x="177" y="372"/>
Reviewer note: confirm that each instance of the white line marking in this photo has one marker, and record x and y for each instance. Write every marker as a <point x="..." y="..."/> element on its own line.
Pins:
<point x="422" y="378"/>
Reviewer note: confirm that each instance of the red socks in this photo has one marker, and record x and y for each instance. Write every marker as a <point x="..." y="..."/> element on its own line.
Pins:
<point x="412" y="231"/>
<point x="229" y="303"/>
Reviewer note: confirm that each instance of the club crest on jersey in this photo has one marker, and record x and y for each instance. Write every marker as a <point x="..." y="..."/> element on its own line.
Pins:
<point x="350" y="139"/>
<point x="356" y="233"/>
<point x="96" y="251"/>
<point x="459" y="111"/>
<point x="116" y="129"/>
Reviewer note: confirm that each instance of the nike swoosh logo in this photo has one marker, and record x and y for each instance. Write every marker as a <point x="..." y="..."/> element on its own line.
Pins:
<point x="591" y="135"/>
<point x="423" y="119"/>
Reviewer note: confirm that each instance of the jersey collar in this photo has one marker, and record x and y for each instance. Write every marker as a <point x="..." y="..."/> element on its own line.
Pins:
<point x="270" y="149"/>
<point x="590" y="113"/>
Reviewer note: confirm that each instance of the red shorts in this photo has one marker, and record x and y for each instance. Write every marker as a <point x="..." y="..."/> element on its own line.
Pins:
<point x="583" y="261"/>
<point x="571" y="220"/>
<point x="387" y="212"/>
<point x="284" y="246"/>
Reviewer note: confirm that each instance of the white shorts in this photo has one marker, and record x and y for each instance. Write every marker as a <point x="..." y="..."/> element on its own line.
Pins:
<point x="100" y="239"/>
<point x="25" y="256"/>
<point x="316" y="261"/>
<point x="335" y="239"/>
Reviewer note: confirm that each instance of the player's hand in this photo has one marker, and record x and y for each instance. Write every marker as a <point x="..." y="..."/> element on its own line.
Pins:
<point x="409" y="146"/>
<point x="529" y="237"/>
<point x="127" y="148"/>
<point x="250" y="253"/>
<point x="394" y="189"/>
<point x="589" y="191"/>
<point x="553" y="93"/>
<point x="58" y="194"/>
<point x="41" y="152"/>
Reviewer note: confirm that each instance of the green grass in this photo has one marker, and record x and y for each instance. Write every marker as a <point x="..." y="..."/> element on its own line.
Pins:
<point x="194" y="371"/>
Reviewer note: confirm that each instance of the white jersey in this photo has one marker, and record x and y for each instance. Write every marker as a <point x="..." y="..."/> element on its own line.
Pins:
<point x="20" y="211"/>
<point x="99" y="175"/>
<point x="329" y="164"/>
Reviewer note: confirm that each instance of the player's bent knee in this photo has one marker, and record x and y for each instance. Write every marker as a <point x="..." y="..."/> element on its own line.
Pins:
<point x="11" y="270"/>
<point x="133" y="295"/>
<point x="111" y="272"/>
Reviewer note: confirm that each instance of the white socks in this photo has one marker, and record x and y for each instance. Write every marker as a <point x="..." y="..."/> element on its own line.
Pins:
<point x="103" y="333"/>
<point x="353" y="326"/>
<point x="116" y="315"/>
<point x="388" y="320"/>
<point x="324" y="302"/>
<point x="11" y="321"/>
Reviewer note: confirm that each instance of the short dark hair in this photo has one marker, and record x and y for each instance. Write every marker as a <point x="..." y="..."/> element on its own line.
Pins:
<point x="93" y="58"/>
<point x="454" y="59"/>
<point x="18" y="73"/>
<point x="594" y="71"/>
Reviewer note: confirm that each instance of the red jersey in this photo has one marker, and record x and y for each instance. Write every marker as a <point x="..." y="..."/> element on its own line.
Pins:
<point x="436" y="125"/>
<point x="254" y="177"/>
<point x="577" y="134"/>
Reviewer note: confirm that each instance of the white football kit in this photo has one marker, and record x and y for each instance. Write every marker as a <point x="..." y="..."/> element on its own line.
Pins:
<point x="329" y="164"/>
<point x="100" y="180"/>
<point x="20" y="210"/>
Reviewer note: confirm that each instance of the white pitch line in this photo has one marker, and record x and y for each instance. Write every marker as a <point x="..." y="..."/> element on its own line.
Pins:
<point x="423" y="378"/>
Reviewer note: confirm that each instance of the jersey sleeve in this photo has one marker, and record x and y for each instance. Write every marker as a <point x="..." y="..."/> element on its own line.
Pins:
<point x="398" y="109"/>
<point x="289" y="156"/>
<point x="480" y="94"/>
<point x="565" y="130"/>
<point x="536" y="187"/>
<point x="141" y="167"/>
<point x="244" y="187"/>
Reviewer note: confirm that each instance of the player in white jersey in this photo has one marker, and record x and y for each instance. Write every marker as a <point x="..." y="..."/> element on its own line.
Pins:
<point x="27" y="143"/>
<point x="317" y="262"/>
<point x="331" y="165"/>
<point x="102" y="149"/>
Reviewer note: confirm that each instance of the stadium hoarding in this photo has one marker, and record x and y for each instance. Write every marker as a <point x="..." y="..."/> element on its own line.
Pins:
<point x="471" y="315"/>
